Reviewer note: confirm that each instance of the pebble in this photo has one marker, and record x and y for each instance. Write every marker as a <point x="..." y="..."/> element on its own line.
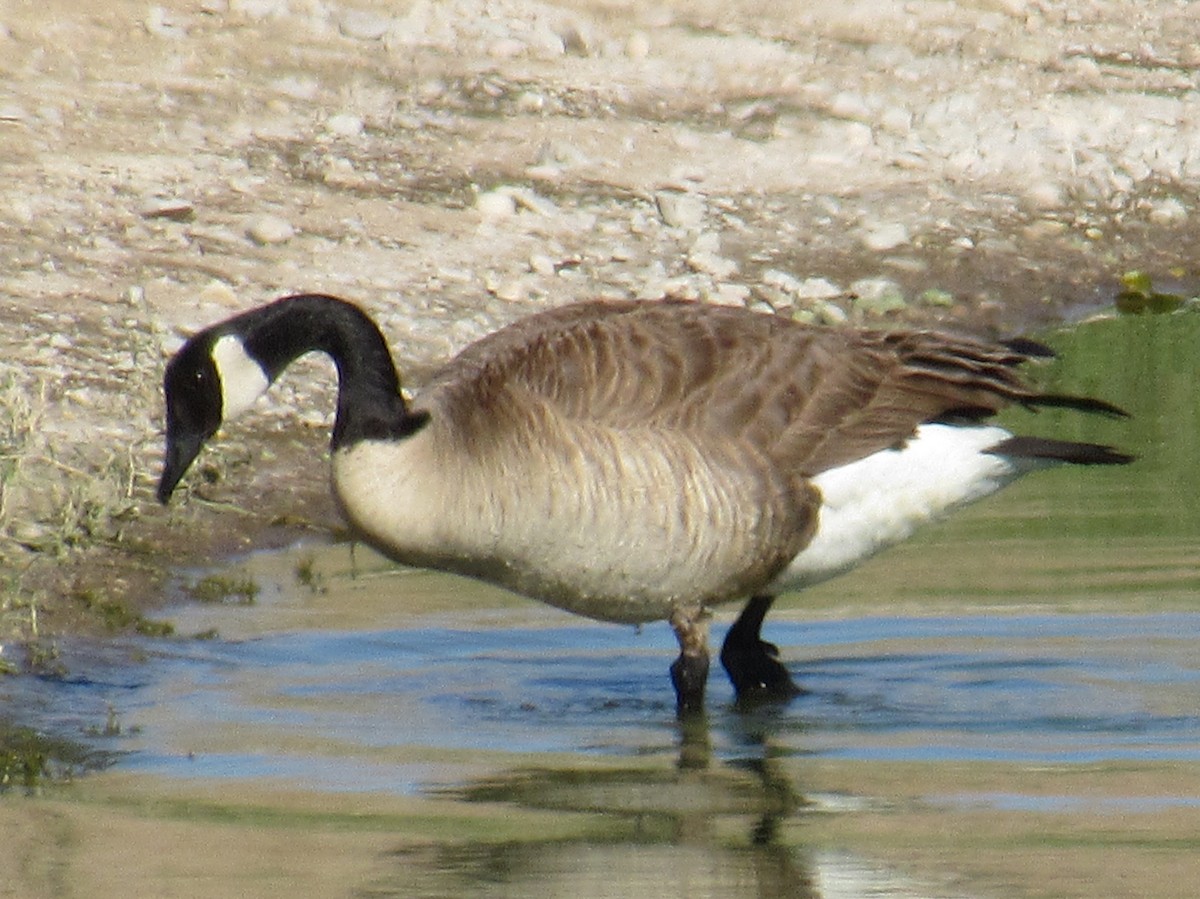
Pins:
<point x="495" y="205"/>
<point x="218" y="293"/>
<point x="709" y="263"/>
<point x="1044" y="195"/>
<point x="638" y="45"/>
<point x="21" y="211"/>
<point x="680" y="210"/>
<point x="531" y="200"/>
<point x="1044" y="229"/>
<point x="510" y="289"/>
<point x="817" y="289"/>
<point x="877" y="296"/>
<point x="704" y="257"/>
<point x="162" y="24"/>
<point x="344" y="124"/>
<point x="730" y="295"/>
<point x="1169" y="211"/>
<point x="363" y="25"/>
<point x="340" y="172"/>
<point x="936" y="297"/>
<point x="269" y="230"/>
<point x="260" y="9"/>
<point x="847" y="105"/>
<point x="781" y="281"/>
<point x="827" y="313"/>
<point x="884" y="236"/>
<point x="169" y="208"/>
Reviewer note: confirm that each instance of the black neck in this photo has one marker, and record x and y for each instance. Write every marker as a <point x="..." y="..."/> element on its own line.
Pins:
<point x="369" y="402"/>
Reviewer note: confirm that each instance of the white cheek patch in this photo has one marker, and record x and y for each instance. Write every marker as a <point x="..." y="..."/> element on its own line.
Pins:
<point x="242" y="379"/>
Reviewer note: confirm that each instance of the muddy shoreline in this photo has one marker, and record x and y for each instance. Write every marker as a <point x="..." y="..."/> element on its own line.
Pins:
<point x="991" y="166"/>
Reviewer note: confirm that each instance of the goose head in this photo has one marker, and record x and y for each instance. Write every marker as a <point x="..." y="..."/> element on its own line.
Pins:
<point x="222" y="370"/>
<point x="212" y="379"/>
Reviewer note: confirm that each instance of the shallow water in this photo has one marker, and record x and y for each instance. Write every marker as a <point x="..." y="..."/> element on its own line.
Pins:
<point x="1009" y="705"/>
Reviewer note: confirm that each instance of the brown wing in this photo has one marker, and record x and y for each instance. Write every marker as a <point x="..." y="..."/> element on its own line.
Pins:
<point x="811" y="398"/>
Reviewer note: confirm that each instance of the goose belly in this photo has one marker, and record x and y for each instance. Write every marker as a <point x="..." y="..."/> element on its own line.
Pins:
<point x="621" y="533"/>
<point x="879" y="501"/>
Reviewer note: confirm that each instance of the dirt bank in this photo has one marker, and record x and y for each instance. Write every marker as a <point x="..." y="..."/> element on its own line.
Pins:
<point x="993" y="164"/>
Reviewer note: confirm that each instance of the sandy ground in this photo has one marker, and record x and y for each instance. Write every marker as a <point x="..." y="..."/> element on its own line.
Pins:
<point x="991" y="164"/>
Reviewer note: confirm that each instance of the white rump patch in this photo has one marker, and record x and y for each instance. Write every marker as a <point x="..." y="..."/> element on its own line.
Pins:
<point x="881" y="500"/>
<point x="242" y="379"/>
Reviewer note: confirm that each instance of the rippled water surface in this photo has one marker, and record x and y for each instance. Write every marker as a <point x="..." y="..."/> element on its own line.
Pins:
<point x="1007" y="706"/>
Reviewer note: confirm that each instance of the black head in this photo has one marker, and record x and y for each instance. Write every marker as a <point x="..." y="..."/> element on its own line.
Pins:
<point x="192" y="387"/>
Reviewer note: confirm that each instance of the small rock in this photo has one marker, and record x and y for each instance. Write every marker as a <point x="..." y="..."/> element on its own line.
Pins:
<point x="877" y="296"/>
<point x="340" y="172"/>
<point x="260" y="9"/>
<point x="268" y="230"/>
<point x="363" y="25"/>
<point x="781" y="281"/>
<point x="638" y="45"/>
<point x="730" y="295"/>
<point x="681" y="288"/>
<point x="174" y="209"/>
<point x="998" y="246"/>
<point x="531" y="200"/>
<point x="817" y="289"/>
<point x="560" y="154"/>
<point x="1043" y="229"/>
<point x="506" y="48"/>
<point x="936" y="297"/>
<point x="826" y="313"/>
<point x="21" y="211"/>
<point x="884" y="236"/>
<point x="510" y="289"/>
<point x="850" y="106"/>
<point x="896" y="120"/>
<point x="1168" y="212"/>
<point x="541" y="264"/>
<point x="575" y="40"/>
<point x="531" y="102"/>
<point x="163" y="24"/>
<point x="344" y="125"/>
<point x="297" y="87"/>
<point x="704" y="256"/>
<point x="1044" y="195"/>
<point x="711" y="264"/>
<point x="680" y="210"/>
<point x="495" y="205"/>
<point x="218" y="293"/>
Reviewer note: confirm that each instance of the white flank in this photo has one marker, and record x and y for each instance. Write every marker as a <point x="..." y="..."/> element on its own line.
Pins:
<point x="242" y="379"/>
<point x="881" y="500"/>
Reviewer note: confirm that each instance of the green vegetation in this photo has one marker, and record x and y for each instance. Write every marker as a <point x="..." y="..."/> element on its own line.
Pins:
<point x="116" y="615"/>
<point x="1139" y="296"/>
<point x="308" y="576"/>
<point x="217" y="588"/>
<point x="29" y="760"/>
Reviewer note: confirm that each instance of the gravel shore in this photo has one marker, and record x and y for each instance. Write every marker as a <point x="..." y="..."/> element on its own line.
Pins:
<point x="992" y="165"/>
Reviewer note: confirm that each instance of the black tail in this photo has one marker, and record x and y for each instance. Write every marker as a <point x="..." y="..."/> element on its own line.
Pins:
<point x="1080" y="403"/>
<point x="1060" y="451"/>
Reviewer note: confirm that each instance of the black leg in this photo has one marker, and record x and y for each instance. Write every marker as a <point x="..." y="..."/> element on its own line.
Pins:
<point x="753" y="664"/>
<point x="689" y="672"/>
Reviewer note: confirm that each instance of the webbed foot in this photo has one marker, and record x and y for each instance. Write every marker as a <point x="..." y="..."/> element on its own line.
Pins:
<point x="752" y="663"/>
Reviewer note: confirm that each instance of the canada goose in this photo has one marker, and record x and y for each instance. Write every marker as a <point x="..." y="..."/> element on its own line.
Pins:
<point x="638" y="461"/>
